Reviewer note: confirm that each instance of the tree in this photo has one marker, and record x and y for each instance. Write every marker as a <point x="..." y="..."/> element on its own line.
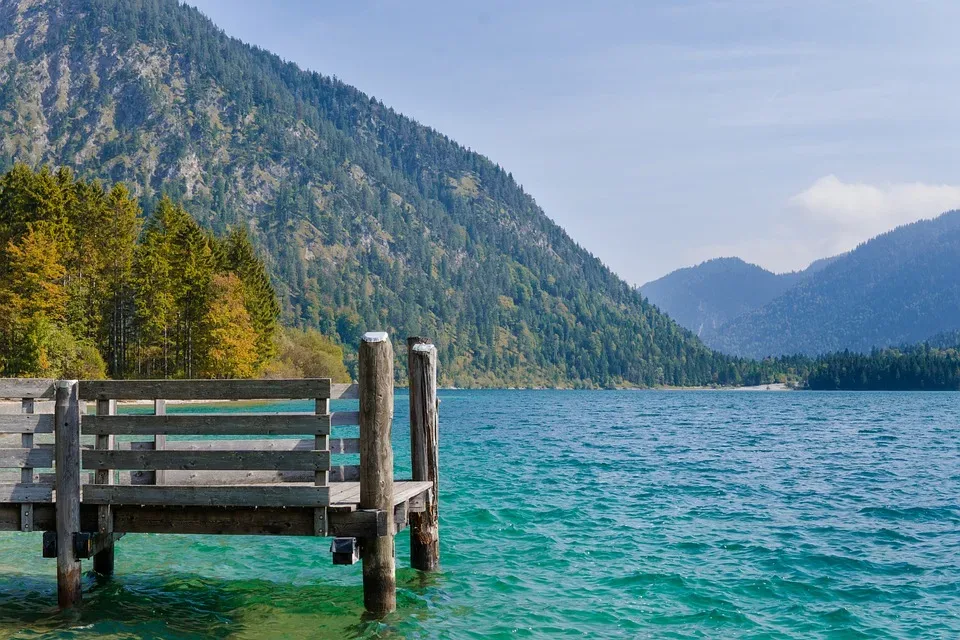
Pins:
<point x="229" y="340"/>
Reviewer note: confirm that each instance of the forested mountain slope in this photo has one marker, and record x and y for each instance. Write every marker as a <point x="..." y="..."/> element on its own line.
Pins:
<point x="368" y="219"/>
<point x="902" y="287"/>
<point x="704" y="297"/>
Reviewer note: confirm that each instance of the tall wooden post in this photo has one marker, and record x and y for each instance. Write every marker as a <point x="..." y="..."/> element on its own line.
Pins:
<point x="375" y="364"/>
<point x="67" y="444"/>
<point x="103" y="561"/>
<point x="424" y="452"/>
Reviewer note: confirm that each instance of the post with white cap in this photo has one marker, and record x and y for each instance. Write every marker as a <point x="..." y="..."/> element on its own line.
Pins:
<point x="424" y="452"/>
<point x="375" y="364"/>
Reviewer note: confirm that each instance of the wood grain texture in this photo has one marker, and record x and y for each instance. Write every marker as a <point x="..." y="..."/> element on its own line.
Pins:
<point x="67" y="421"/>
<point x="205" y="389"/>
<point x="424" y="452"/>
<point x="28" y="406"/>
<point x="29" y="422"/>
<point x="226" y="496"/>
<point x="20" y="388"/>
<point x="31" y="458"/>
<point x="341" y="391"/>
<point x="21" y="492"/>
<point x="375" y="366"/>
<point x="207" y="460"/>
<point x="103" y="558"/>
<point x="272" y="424"/>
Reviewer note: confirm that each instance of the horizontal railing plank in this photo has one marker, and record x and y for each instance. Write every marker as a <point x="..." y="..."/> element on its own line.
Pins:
<point x="30" y="458"/>
<point x="337" y="445"/>
<point x="344" y="418"/>
<point x="26" y="388"/>
<point x="204" y="389"/>
<point x="345" y="473"/>
<point x="342" y="391"/>
<point x="26" y="423"/>
<point x="344" y="445"/>
<point x="206" y="460"/>
<point x="26" y="492"/>
<point x="272" y="424"/>
<point x="229" y="496"/>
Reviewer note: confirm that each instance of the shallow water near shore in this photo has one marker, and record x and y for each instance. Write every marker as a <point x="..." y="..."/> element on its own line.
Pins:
<point x="611" y="514"/>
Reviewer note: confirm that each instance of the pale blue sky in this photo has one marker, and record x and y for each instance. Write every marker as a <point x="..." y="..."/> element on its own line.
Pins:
<point x="660" y="134"/>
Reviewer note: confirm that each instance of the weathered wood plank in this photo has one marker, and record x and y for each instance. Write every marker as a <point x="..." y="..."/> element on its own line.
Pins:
<point x="375" y="368"/>
<point x="424" y="452"/>
<point x="31" y="458"/>
<point x="206" y="460"/>
<point x="267" y="424"/>
<point x="341" y="391"/>
<point x="26" y="423"/>
<point x="243" y="521"/>
<point x="345" y="473"/>
<point x="227" y="496"/>
<point x="205" y="389"/>
<point x="160" y="439"/>
<point x="344" y="445"/>
<point x="26" y="388"/>
<point x="279" y="444"/>
<point x="26" y="492"/>
<point x="67" y="428"/>
<point x="27" y="406"/>
<point x="103" y="557"/>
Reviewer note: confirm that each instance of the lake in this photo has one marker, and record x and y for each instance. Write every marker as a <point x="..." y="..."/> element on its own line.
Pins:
<point x="666" y="514"/>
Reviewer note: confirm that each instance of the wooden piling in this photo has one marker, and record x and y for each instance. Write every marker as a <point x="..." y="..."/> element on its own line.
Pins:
<point x="67" y="434"/>
<point x="375" y="364"/>
<point x="103" y="561"/>
<point x="424" y="452"/>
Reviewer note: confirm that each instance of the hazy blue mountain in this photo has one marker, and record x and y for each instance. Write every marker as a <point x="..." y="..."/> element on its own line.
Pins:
<point x="705" y="297"/>
<point x="901" y="287"/>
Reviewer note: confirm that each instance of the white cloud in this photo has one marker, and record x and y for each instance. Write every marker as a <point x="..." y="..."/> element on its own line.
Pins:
<point x="828" y="218"/>
<point x="868" y="209"/>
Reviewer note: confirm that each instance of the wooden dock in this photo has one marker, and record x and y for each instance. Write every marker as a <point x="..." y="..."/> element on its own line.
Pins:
<point x="88" y="479"/>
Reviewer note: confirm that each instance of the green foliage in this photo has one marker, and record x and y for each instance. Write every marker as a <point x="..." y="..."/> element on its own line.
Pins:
<point x="81" y="297"/>
<point x="367" y="219"/>
<point x="229" y="340"/>
<point x="307" y="354"/>
<point x="917" y="368"/>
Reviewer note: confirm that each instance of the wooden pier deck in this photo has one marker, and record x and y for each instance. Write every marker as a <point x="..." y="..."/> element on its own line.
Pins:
<point x="225" y="473"/>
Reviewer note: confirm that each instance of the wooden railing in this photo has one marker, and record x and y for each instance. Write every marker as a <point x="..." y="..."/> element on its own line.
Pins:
<point x="229" y="472"/>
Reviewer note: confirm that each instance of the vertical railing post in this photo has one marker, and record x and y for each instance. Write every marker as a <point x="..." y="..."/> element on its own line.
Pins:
<point x="67" y="444"/>
<point x="27" y="405"/>
<point x="424" y="452"/>
<point x="375" y="368"/>
<point x="103" y="561"/>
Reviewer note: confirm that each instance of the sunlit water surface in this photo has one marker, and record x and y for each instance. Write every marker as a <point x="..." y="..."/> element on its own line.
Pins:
<point x="611" y="514"/>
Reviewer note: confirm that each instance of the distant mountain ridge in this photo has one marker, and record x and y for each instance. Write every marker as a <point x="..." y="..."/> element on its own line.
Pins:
<point x="901" y="287"/>
<point x="705" y="297"/>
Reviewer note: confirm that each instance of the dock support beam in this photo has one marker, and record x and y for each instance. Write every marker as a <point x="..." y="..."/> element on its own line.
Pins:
<point x="67" y="433"/>
<point x="375" y="365"/>
<point x="424" y="452"/>
<point x="103" y="561"/>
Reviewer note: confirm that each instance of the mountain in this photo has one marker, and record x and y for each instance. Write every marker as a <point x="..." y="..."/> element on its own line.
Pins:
<point x="705" y="297"/>
<point x="901" y="287"/>
<point x="367" y="219"/>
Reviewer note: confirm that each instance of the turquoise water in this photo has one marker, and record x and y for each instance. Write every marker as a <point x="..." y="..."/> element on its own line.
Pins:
<point x="610" y="514"/>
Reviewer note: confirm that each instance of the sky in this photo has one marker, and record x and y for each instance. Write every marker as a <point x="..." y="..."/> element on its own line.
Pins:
<point x="660" y="134"/>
